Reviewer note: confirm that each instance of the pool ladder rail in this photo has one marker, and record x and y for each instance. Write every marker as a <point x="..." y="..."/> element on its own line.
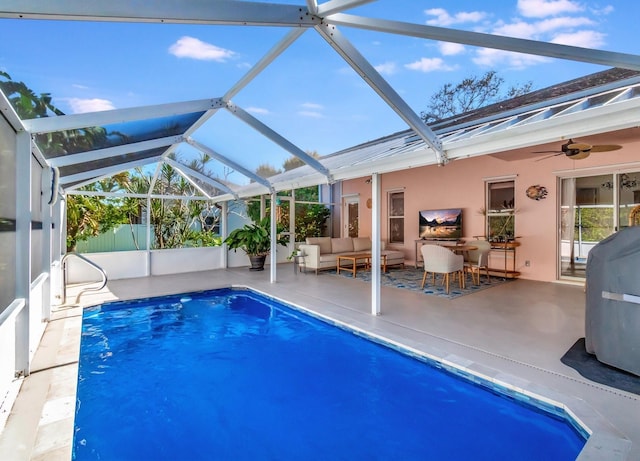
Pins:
<point x="103" y="274"/>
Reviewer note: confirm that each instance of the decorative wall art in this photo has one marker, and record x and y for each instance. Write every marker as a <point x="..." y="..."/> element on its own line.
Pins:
<point x="537" y="192"/>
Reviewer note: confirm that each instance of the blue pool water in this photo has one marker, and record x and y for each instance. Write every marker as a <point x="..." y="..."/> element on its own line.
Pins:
<point x="231" y="375"/>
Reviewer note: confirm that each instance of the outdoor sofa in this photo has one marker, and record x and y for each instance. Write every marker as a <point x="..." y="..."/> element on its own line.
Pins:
<point x="322" y="252"/>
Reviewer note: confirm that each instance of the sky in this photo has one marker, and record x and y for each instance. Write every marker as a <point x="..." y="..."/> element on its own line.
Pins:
<point x="309" y="94"/>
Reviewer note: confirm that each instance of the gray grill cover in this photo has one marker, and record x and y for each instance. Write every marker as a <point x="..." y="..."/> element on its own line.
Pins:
<point x="613" y="326"/>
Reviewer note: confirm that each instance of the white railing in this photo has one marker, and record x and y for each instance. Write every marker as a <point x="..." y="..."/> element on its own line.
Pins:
<point x="39" y="311"/>
<point x="16" y="326"/>
<point x="8" y="367"/>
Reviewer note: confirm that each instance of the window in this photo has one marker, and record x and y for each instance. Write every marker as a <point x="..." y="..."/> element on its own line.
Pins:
<point x="500" y="210"/>
<point x="396" y="217"/>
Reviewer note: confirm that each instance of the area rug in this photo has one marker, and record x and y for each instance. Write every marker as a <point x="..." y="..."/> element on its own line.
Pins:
<point x="591" y="368"/>
<point x="411" y="279"/>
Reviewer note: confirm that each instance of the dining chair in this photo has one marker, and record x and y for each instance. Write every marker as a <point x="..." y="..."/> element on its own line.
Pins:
<point x="477" y="260"/>
<point x="440" y="260"/>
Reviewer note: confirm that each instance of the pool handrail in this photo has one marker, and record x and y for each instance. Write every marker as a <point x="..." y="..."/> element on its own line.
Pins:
<point x="64" y="276"/>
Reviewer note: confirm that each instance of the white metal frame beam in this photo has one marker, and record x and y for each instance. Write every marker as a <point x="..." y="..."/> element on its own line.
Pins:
<point x="222" y="12"/>
<point x="191" y="181"/>
<point x="518" y="45"/>
<point x="230" y="163"/>
<point x="95" y="175"/>
<point x="267" y="59"/>
<point x="202" y="177"/>
<point x="107" y="117"/>
<point x="278" y="139"/>
<point x="9" y="113"/>
<point x="334" y="6"/>
<point x="358" y="62"/>
<point x="89" y="156"/>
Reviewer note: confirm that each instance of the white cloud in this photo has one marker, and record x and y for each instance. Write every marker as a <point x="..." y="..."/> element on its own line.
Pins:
<point x="562" y="29"/>
<point x="387" y="68"/>
<point x="258" y="110"/>
<point x="310" y="114"/>
<point x="491" y="58"/>
<point x="544" y="8"/>
<point x="80" y="87"/>
<point x="443" y="18"/>
<point x="584" y="38"/>
<point x="604" y="10"/>
<point x="519" y="29"/>
<point x="563" y="23"/>
<point x="429" y="65"/>
<point x="450" y="49"/>
<point x="312" y="106"/>
<point x="190" y="47"/>
<point x="535" y="30"/>
<point x="79" y="106"/>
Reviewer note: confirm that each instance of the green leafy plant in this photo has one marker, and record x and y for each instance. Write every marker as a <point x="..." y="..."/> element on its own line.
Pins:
<point x="254" y="238"/>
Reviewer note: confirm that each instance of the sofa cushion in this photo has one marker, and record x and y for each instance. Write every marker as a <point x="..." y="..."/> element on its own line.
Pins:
<point x="361" y="244"/>
<point x="323" y="242"/>
<point x="341" y="245"/>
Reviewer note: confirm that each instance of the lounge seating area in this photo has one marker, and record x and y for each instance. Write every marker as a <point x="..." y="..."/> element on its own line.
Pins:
<point x="321" y="253"/>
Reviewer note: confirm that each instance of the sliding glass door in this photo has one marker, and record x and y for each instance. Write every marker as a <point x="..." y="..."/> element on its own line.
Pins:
<point x="592" y="208"/>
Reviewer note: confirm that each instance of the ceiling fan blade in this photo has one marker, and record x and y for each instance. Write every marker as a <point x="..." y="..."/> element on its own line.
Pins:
<point x="579" y="146"/>
<point x="549" y="156"/>
<point x="547" y="152"/>
<point x="605" y="148"/>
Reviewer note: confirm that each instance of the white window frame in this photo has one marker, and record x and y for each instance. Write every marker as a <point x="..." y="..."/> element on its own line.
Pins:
<point x="509" y="210"/>
<point x="391" y="217"/>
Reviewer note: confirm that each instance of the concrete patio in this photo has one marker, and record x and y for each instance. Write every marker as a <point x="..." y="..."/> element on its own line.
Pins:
<point x="514" y="333"/>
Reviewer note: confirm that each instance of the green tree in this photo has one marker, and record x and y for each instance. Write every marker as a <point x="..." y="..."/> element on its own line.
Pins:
<point x="25" y="101"/>
<point x="89" y="216"/>
<point x="176" y="223"/>
<point x="470" y="94"/>
<point x="265" y="170"/>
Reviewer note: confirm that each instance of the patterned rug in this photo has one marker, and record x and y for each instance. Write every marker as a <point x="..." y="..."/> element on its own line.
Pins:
<point x="411" y="279"/>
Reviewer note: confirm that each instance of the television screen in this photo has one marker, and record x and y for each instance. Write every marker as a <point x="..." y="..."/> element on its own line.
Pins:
<point x="441" y="224"/>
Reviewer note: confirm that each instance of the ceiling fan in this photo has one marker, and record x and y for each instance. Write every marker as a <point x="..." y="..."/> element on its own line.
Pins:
<point x="578" y="150"/>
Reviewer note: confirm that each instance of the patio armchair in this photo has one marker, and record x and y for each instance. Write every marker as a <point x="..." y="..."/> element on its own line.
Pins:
<point x="477" y="260"/>
<point x="439" y="260"/>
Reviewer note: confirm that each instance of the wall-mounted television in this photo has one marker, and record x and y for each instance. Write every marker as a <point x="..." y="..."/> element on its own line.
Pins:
<point x="441" y="224"/>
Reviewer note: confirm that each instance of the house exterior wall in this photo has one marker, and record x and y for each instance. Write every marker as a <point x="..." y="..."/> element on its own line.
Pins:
<point x="461" y="184"/>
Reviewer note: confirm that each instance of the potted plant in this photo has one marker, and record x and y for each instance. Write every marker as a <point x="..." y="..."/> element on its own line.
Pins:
<point x="255" y="240"/>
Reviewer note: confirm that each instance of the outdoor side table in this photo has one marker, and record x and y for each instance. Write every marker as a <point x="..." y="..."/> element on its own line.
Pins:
<point x="298" y="264"/>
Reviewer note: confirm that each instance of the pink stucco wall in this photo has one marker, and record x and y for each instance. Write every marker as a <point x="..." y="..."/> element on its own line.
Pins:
<point x="461" y="184"/>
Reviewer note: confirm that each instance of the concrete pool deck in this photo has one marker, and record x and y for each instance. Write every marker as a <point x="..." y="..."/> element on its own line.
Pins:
<point x="513" y="334"/>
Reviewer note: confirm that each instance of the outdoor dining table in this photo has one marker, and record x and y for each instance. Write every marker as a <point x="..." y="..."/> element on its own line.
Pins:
<point x="459" y="248"/>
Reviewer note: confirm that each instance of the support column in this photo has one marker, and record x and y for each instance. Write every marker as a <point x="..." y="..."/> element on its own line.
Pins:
<point x="47" y="199"/>
<point x="224" y="232"/>
<point x="148" y="235"/>
<point x="272" y="254"/>
<point x="375" y="244"/>
<point x="23" y="249"/>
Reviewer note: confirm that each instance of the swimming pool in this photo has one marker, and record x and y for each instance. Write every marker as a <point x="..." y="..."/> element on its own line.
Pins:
<point x="230" y="374"/>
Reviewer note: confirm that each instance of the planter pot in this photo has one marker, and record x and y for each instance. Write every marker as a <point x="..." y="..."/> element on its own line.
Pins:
<point x="257" y="262"/>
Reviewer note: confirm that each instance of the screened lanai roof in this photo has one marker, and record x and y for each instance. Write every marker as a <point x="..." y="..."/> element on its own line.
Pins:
<point x="148" y="135"/>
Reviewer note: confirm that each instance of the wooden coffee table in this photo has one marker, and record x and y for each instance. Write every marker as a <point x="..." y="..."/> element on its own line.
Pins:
<point x="354" y="258"/>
